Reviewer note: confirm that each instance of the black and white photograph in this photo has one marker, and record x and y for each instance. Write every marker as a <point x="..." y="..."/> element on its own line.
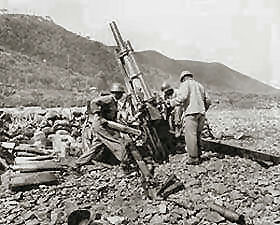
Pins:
<point x="139" y="112"/>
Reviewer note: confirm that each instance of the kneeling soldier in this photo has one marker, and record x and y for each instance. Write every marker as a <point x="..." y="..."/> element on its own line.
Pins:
<point x="102" y="143"/>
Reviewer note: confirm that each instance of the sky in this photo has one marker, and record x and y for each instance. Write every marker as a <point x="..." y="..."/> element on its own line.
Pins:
<point x="242" y="34"/>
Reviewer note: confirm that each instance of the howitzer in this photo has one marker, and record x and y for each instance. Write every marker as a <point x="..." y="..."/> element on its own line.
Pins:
<point x="141" y="102"/>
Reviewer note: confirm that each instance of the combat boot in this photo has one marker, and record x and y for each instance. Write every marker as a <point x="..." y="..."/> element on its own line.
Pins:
<point x="193" y="161"/>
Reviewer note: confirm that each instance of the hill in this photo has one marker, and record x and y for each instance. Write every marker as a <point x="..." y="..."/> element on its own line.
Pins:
<point x="215" y="76"/>
<point x="37" y="56"/>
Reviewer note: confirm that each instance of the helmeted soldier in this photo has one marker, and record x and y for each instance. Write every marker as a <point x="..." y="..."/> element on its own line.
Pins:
<point x="102" y="143"/>
<point x="167" y="94"/>
<point x="172" y="115"/>
<point x="167" y="90"/>
<point x="194" y="101"/>
<point x="117" y="90"/>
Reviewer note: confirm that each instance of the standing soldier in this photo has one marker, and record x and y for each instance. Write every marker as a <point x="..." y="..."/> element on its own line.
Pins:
<point x="102" y="143"/>
<point x="194" y="101"/>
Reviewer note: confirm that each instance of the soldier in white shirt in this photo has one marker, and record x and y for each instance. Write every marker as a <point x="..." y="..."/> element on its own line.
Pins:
<point x="194" y="101"/>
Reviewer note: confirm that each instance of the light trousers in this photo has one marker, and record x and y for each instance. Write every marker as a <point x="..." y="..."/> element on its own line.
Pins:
<point x="193" y="125"/>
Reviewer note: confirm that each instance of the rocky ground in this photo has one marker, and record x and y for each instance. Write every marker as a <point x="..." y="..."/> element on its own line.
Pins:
<point x="117" y="198"/>
<point x="256" y="129"/>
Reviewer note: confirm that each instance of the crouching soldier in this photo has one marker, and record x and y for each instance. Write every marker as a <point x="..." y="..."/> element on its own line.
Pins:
<point x="101" y="143"/>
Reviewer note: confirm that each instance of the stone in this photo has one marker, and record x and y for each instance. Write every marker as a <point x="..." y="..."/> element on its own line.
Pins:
<point x="265" y="221"/>
<point x="26" y="204"/>
<point x="252" y="194"/>
<point x="220" y="188"/>
<point x="33" y="222"/>
<point x="191" y="182"/>
<point x="115" y="220"/>
<point x="195" y="197"/>
<point x="52" y="115"/>
<point x="162" y="208"/>
<point x="62" y="132"/>
<point x="18" y="196"/>
<point x="199" y="170"/>
<point x="150" y="210"/>
<point x="18" y="220"/>
<point x="39" y="137"/>
<point x="174" y="219"/>
<point x="251" y="213"/>
<point x="29" y="215"/>
<point x="262" y="182"/>
<point x="201" y="214"/>
<point x="192" y="221"/>
<point x="235" y="195"/>
<point x="130" y="213"/>
<point x="273" y="192"/>
<point x="276" y="200"/>
<point x="156" y="220"/>
<point x="214" y="217"/>
<point x="57" y="216"/>
<point x="267" y="199"/>
<point x="259" y="207"/>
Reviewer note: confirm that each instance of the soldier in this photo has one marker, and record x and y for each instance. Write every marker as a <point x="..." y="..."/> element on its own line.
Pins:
<point x="102" y="143"/>
<point x="194" y="101"/>
<point x="167" y="90"/>
<point x="173" y="116"/>
<point x="167" y="113"/>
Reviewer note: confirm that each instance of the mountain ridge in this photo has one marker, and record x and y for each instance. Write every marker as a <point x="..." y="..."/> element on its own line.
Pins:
<point x="36" y="53"/>
<point x="200" y="68"/>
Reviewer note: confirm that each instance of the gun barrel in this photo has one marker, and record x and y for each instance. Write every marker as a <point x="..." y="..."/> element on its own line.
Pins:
<point x="117" y="36"/>
<point x="129" y="46"/>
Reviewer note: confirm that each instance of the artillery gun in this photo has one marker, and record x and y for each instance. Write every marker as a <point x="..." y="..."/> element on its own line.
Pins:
<point x="140" y="101"/>
<point x="141" y="105"/>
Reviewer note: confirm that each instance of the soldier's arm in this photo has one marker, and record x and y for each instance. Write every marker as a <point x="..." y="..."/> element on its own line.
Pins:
<point x="95" y="110"/>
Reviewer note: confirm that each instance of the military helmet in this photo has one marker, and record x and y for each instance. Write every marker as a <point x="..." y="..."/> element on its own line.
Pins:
<point x="117" y="87"/>
<point x="165" y="87"/>
<point x="185" y="73"/>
